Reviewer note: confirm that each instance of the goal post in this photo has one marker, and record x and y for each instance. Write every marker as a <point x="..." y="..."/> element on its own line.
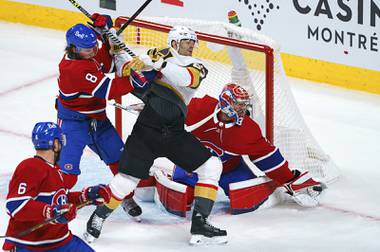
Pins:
<point x="138" y="27"/>
<point x="236" y="54"/>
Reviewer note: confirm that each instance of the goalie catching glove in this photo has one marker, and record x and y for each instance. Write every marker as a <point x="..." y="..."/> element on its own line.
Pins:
<point x="304" y="190"/>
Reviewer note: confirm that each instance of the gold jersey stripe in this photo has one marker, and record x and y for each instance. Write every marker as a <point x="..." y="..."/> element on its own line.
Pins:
<point x="195" y="77"/>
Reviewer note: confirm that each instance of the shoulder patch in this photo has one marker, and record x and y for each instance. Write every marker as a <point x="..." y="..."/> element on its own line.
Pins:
<point x="198" y="72"/>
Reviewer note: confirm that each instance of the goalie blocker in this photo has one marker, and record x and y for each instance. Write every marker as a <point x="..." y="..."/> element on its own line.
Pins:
<point x="245" y="196"/>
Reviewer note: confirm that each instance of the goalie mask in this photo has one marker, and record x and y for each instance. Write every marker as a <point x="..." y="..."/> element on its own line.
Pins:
<point x="178" y="33"/>
<point x="234" y="102"/>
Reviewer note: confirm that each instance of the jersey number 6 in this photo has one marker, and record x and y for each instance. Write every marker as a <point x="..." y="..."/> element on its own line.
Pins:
<point x="21" y="188"/>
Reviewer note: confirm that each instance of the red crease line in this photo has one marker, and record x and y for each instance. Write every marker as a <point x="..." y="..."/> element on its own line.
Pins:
<point x="336" y="209"/>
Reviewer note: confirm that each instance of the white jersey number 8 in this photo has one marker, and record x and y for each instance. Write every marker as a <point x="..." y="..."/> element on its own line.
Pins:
<point x="91" y="78"/>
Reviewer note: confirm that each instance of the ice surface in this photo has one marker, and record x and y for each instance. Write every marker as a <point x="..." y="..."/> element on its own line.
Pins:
<point x="345" y="123"/>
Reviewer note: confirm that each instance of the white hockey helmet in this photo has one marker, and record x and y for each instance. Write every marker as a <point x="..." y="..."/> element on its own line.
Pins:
<point x="178" y="33"/>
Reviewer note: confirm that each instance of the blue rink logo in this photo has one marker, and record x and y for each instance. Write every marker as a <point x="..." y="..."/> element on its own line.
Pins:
<point x="260" y="10"/>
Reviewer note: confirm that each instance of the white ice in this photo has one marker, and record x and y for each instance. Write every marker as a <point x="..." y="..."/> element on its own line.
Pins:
<point x="346" y="124"/>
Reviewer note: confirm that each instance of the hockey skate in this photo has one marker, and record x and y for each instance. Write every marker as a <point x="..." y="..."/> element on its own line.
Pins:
<point x="203" y="232"/>
<point x="95" y="223"/>
<point x="132" y="209"/>
<point x="304" y="190"/>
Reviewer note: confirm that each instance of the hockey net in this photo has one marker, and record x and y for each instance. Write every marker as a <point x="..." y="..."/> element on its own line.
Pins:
<point x="236" y="54"/>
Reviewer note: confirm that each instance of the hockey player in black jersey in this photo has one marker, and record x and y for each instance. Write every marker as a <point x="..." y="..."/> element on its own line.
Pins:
<point x="159" y="132"/>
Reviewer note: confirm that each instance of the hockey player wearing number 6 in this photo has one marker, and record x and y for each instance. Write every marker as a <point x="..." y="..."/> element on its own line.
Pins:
<point x="37" y="194"/>
<point x="84" y="89"/>
<point x="159" y="132"/>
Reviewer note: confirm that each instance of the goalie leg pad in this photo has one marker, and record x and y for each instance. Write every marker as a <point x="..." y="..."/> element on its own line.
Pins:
<point x="240" y="173"/>
<point x="145" y="189"/>
<point x="171" y="195"/>
<point x="247" y="196"/>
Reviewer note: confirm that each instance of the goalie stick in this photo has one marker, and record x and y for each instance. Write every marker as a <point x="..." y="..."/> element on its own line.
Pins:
<point x="44" y="223"/>
<point x="108" y="33"/>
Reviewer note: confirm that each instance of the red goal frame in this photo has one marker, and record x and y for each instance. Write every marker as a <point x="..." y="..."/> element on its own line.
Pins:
<point x="269" y="66"/>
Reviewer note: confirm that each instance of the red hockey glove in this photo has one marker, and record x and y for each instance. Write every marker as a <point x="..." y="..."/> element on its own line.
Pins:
<point x="61" y="213"/>
<point x="98" y="194"/>
<point x="102" y="21"/>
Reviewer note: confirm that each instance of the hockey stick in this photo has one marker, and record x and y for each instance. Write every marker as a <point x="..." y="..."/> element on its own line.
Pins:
<point x="142" y="7"/>
<point x="196" y="125"/>
<point x="31" y="229"/>
<point x="108" y="33"/>
<point x="134" y="108"/>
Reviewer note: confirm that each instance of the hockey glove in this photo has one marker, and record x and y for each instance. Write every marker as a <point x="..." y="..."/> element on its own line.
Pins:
<point x="102" y="21"/>
<point x="115" y="47"/>
<point x="304" y="190"/>
<point x="136" y="64"/>
<point x="139" y="81"/>
<point x="60" y="213"/>
<point x="156" y="65"/>
<point x="98" y="194"/>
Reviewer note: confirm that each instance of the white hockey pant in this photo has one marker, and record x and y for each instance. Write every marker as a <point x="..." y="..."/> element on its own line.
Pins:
<point x="210" y="171"/>
<point x="122" y="185"/>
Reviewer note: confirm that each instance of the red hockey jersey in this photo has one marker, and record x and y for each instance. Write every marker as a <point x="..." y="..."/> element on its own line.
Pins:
<point x="35" y="184"/>
<point x="229" y="142"/>
<point x="84" y="87"/>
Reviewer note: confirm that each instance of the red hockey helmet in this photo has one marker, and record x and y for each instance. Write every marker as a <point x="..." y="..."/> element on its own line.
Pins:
<point x="234" y="101"/>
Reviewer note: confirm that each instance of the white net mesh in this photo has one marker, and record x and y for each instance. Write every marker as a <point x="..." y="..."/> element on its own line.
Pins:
<point x="247" y="67"/>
